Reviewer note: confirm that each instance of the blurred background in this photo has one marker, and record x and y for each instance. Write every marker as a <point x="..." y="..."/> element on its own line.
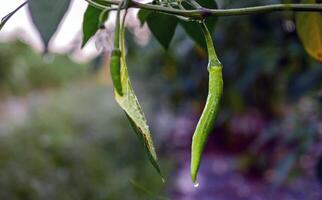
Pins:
<point x="62" y="136"/>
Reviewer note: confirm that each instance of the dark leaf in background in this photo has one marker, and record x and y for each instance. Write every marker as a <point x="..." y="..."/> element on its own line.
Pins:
<point x="143" y="15"/>
<point x="162" y="27"/>
<point x="47" y="15"/>
<point x="193" y="28"/>
<point x="6" y="18"/>
<point x="159" y="26"/>
<point x="91" y="23"/>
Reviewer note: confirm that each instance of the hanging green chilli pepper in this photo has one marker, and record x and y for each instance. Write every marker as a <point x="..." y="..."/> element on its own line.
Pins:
<point x="115" y="67"/>
<point x="115" y="62"/>
<point x="210" y="111"/>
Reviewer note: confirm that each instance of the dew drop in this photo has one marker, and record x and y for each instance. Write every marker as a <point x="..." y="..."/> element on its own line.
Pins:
<point x="196" y="185"/>
<point x="163" y="180"/>
<point x="48" y="58"/>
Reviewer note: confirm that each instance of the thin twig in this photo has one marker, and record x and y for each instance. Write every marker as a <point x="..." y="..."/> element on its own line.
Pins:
<point x="202" y="13"/>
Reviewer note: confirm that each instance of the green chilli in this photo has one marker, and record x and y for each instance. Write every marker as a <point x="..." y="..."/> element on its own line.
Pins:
<point x="210" y="111"/>
<point x="115" y="68"/>
<point x="115" y="62"/>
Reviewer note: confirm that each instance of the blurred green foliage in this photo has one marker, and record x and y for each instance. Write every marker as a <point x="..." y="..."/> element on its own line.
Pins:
<point x="75" y="143"/>
<point x="22" y="69"/>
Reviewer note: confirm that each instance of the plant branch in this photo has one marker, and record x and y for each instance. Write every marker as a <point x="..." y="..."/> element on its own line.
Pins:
<point x="202" y="13"/>
<point x="96" y="5"/>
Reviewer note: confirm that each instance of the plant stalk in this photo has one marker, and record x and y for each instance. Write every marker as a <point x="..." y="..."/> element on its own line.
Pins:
<point x="202" y="12"/>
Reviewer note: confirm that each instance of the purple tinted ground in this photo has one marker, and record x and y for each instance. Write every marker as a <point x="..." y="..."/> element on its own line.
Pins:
<point x="223" y="177"/>
<point x="218" y="179"/>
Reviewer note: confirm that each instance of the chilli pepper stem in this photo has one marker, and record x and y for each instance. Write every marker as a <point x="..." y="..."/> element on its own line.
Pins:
<point x="122" y="5"/>
<point x="122" y="39"/>
<point x="117" y="27"/>
<point x="213" y="59"/>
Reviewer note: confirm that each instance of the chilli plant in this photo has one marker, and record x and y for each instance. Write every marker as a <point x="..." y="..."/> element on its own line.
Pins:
<point x="197" y="17"/>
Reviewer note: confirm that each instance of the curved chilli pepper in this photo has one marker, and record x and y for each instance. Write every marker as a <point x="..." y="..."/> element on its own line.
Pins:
<point x="115" y="68"/>
<point x="210" y="111"/>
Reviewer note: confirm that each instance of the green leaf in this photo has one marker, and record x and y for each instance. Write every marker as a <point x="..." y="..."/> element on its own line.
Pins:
<point x="193" y="28"/>
<point x="146" y="140"/>
<point x="47" y="15"/>
<point x="91" y="22"/>
<point x="143" y="15"/>
<point x="130" y="104"/>
<point x="6" y="18"/>
<point x="208" y="3"/>
<point x="162" y="27"/>
<point x="309" y="29"/>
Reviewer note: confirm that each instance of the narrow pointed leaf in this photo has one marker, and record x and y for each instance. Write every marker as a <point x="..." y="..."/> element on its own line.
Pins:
<point x="309" y="29"/>
<point x="162" y="27"/>
<point x="47" y="15"/>
<point x="143" y="15"/>
<point x="147" y="143"/>
<point x="130" y="104"/>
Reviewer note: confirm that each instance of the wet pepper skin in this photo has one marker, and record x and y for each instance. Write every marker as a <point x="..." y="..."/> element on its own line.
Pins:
<point x="210" y="111"/>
